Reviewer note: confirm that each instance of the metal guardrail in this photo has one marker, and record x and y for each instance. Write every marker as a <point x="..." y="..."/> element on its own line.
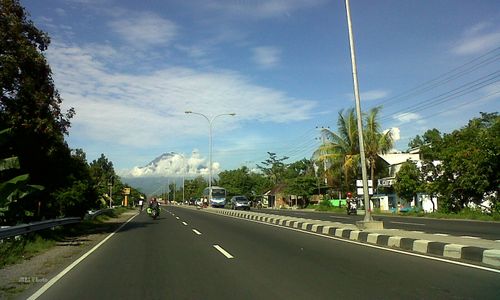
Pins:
<point x="31" y="227"/>
<point x="92" y="214"/>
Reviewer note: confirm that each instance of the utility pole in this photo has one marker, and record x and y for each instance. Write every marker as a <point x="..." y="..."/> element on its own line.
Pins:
<point x="368" y="220"/>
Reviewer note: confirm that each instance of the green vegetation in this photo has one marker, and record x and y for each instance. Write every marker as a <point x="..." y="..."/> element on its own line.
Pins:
<point x="467" y="172"/>
<point x="340" y="150"/>
<point x="40" y="176"/>
<point x="13" y="250"/>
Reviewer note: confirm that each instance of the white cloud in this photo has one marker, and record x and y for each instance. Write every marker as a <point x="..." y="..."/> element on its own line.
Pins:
<point x="370" y="95"/>
<point x="261" y="9"/>
<point x="142" y="110"/>
<point x="266" y="57"/>
<point x="373" y="95"/>
<point x="395" y="132"/>
<point x="174" y="164"/>
<point x="476" y="40"/>
<point x="407" y="117"/>
<point x="144" y="29"/>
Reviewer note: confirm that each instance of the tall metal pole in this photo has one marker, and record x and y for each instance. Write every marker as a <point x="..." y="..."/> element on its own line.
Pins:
<point x="210" y="122"/>
<point x="183" y="176"/>
<point x="366" y="197"/>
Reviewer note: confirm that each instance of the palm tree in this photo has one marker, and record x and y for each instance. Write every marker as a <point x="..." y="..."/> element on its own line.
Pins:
<point x="341" y="149"/>
<point x="376" y="142"/>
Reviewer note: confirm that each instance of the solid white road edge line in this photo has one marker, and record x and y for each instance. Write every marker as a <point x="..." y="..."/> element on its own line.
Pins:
<point x="406" y="223"/>
<point x="374" y="246"/>
<point x="224" y="252"/>
<point x="51" y="282"/>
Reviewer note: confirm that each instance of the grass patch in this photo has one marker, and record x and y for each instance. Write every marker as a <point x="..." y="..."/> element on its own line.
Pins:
<point x="465" y="214"/>
<point x="326" y="206"/>
<point x="13" y="250"/>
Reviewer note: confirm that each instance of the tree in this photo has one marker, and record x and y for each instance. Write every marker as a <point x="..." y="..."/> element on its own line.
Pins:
<point x="194" y="187"/>
<point x="103" y="175"/>
<point x="274" y="168"/>
<point x="429" y="140"/>
<point x="429" y="174"/>
<point x="408" y="182"/>
<point x="303" y="186"/>
<point x="302" y="167"/>
<point x="243" y="182"/>
<point x="13" y="186"/>
<point x="342" y="148"/>
<point x="30" y="105"/>
<point x="470" y="163"/>
<point x="376" y="142"/>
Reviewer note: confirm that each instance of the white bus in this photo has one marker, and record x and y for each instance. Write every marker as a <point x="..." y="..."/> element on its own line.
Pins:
<point x="218" y="196"/>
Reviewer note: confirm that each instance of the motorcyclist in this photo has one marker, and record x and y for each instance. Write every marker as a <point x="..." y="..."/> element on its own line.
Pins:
<point x="154" y="205"/>
<point x="351" y="204"/>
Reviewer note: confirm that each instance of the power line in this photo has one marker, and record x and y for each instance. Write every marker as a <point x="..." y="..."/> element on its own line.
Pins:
<point x="449" y="95"/>
<point x="446" y="77"/>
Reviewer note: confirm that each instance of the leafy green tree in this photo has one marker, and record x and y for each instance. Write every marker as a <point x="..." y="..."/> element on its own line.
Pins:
<point x="376" y="142"/>
<point x="303" y="186"/>
<point x="274" y="168"/>
<point x="342" y="148"/>
<point x="13" y="186"/>
<point x="30" y="105"/>
<point x="408" y="182"/>
<point x="194" y="187"/>
<point x="429" y="174"/>
<point x="470" y="163"/>
<point x="299" y="168"/>
<point x="236" y="182"/>
<point x="243" y="182"/>
<point x="103" y="175"/>
<point x="427" y="143"/>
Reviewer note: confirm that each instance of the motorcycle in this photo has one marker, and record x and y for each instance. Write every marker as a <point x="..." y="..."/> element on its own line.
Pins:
<point x="153" y="212"/>
<point x="352" y="207"/>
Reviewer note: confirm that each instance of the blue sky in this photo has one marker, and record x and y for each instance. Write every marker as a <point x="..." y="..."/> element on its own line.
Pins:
<point x="132" y="68"/>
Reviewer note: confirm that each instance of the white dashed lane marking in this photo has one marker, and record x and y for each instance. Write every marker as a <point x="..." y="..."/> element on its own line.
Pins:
<point x="224" y="252"/>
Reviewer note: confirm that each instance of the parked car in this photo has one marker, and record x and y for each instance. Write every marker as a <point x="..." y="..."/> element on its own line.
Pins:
<point x="240" y="202"/>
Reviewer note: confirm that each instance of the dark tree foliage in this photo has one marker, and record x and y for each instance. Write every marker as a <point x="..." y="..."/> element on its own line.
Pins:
<point x="194" y="187"/>
<point x="274" y="167"/>
<point x="468" y="165"/>
<point x="408" y="182"/>
<point x="244" y="182"/>
<point x="471" y="163"/>
<point x="30" y="106"/>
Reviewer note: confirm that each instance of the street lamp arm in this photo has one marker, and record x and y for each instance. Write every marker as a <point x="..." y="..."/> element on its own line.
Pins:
<point x="210" y="121"/>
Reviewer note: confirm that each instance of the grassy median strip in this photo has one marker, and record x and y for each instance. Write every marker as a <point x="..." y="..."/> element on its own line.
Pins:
<point x="16" y="249"/>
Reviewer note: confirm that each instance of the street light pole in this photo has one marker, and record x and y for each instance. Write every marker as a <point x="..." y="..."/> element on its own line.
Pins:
<point x="183" y="176"/>
<point x="368" y="217"/>
<point x="210" y="123"/>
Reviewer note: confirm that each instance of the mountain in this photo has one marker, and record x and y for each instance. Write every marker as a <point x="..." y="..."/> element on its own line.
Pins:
<point x="168" y="167"/>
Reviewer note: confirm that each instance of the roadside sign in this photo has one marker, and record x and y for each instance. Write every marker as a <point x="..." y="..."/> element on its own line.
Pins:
<point x="359" y="183"/>
<point x="360" y="191"/>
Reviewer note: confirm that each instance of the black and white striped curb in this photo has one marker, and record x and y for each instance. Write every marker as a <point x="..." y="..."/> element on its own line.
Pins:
<point x="490" y="257"/>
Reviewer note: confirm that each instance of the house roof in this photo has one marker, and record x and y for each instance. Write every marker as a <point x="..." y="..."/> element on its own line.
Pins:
<point x="399" y="158"/>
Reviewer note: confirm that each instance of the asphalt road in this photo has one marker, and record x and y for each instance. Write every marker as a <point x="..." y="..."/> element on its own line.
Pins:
<point x="481" y="229"/>
<point x="197" y="255"/>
